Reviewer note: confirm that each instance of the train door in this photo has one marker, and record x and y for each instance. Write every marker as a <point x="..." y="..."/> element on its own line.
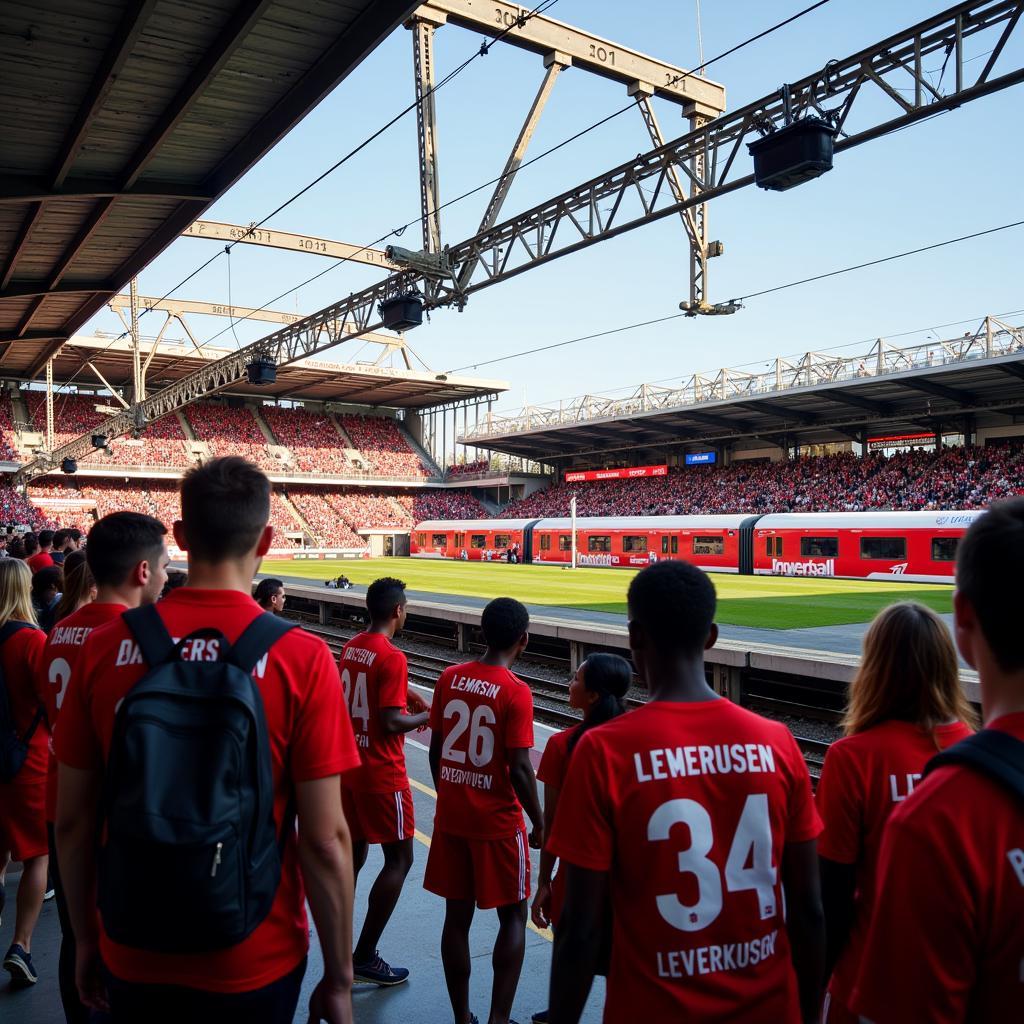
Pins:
<point x="746" y="560"/>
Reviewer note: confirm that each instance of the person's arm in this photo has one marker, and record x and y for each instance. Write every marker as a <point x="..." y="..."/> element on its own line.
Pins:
<point x="434" y="756"/>
<point x="838" y="885"/>
<point x="524" y="782"/>
<point x="805" y="922"/>
<point x="541" y="912"/>
<point x="78" y="798"/>
<point x="395" y="720"/>
<point x="578" y="942"/>
<point x="325" y="855"/>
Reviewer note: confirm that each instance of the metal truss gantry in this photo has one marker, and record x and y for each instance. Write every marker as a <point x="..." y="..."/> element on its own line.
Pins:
<point x="638" y="192"/>
<point x="561" y="46"/>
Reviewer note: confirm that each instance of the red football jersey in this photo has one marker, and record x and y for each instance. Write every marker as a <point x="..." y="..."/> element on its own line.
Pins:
<point x="20" y="655"/>
<point x="374" y="675"/>
<point x="480" y="712"/>
<point x="554" y="764"/>
<point x="864" y="779"/>
<point x="56" y="665"/>
<point x="946" y="940"/>
<point x="692" y="804"/>
<point x="310" y="738"/>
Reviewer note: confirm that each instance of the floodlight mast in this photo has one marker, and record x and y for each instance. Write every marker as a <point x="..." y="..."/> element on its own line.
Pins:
<point x="600" y="208"/>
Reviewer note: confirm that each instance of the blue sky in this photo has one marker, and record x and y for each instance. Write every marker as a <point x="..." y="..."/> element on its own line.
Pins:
<point x="950" y="176"/>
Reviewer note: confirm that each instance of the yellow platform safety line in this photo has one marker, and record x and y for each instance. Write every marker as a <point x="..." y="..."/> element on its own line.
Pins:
<point x="544" y="933"/>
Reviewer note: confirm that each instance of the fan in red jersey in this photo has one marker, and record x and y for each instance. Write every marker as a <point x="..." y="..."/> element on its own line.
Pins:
<point x="906" y="704"/>
<point x="482" y="733"/>
<point x="376" y="796"/>
<point x="127" y="559"/>
<point x="946" y="940"/>
<point x="597" y="690"/>
<point x="695" y="818"/>
<point x="304" y="746"/>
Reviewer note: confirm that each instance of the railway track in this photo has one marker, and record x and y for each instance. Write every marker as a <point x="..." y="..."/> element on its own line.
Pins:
<point x="551" y="697"/>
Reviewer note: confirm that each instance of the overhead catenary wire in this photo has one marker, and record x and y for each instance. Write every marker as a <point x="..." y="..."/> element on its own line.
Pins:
<point x="490" y="183"/>
<point x="749" y="295"/>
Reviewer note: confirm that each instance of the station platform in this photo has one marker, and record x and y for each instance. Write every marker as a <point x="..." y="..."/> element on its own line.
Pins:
<point x="412" y="940"/>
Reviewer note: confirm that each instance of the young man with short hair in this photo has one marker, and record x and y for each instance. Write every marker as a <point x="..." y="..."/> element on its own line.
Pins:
<point x="127" y="557"/>
<point x="946" y="940"/>
<point x="35" y="558"/>
<point x="224" y="529"/>
<point x="59" y="541"/>
<point x="269" y="595"/>
<point x="693" y="820"/>
<point x="481" y="724"/>
<point x="377" y="798"/>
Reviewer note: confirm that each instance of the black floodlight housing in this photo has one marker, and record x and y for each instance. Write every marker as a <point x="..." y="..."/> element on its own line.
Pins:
<point x="261" y="371"/>
<point x="99" y="441"/>
<point x="793" y="154"/>
<point x="403" y="312"/>
<point x="69" y="466"/>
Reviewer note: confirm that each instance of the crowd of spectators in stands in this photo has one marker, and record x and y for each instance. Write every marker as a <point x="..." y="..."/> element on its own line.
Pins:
<point x="442" y="505"/>
<point x="955" y="478"/>
<point x="312" y="438"/>
<point x="8" y="436"/>
<point x="468" y="468"/>
<point x="229" y="431"/>
<point x="323" y="520"/>
<point x="161" y="444"/>
<point x="73" y="415"/>
<point x="383" y="446"/>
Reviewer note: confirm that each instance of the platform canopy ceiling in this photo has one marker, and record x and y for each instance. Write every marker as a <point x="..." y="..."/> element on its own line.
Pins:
<point x="121" y="122"/>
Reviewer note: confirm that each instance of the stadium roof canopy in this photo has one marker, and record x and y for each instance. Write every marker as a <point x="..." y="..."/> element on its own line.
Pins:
<point x="973" y="382"/>
<point x="357" y="383"/>
<point x="123" y="120"/>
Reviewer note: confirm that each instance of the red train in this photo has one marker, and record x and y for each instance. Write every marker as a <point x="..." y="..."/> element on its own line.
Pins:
<point x="912" y="546"/>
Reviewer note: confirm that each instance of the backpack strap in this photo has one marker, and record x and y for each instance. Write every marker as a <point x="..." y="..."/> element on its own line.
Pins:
<point x="258" y="637"/>
<point x="147" y="626"/>
<point x="996" y="754"/>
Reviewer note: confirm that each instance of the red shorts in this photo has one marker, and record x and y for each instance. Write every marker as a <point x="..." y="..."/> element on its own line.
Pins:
<point x="492" y="872"/>
<point x="378" y="817"/>
<point x="23" y="819"/>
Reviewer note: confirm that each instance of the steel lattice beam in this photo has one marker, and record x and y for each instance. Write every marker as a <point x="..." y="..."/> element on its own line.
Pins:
<point x="576" y="220"/>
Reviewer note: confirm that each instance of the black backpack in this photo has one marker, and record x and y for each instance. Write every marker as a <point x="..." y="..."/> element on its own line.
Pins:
<point x="996" y="754"/>
<point x="13" y="747"/>
<point x="190" y="859"/>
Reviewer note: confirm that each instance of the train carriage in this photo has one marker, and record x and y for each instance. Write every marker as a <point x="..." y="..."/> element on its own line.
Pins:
<point x="909" y="546"/>
<point x="913" y="546"/>
<point x="711" y="542"/>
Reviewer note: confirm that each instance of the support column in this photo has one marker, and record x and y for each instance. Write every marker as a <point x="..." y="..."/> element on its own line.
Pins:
<point x="727" y="680"/>
<point x="970" y="429"/>
<point x="426" y="126"/>
<point x="138" y="383"/>
<point x="49" y="405"/>
<point x="460" y="637"/>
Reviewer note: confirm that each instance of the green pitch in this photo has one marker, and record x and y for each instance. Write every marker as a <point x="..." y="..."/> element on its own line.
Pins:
<point x="764" y="601"/>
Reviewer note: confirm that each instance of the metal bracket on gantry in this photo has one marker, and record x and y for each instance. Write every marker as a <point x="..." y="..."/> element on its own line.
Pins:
<point x="563" y="46"/>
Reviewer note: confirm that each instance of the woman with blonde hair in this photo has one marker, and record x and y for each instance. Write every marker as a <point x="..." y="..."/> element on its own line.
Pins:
<point x="905" y="705"/>
<point x="23" y="760"/>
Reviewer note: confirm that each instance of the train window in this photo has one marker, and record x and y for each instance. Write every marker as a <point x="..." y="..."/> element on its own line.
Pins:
<point x="421" y="539"/>
<point x="599" y="543"/>
<point x="664" y="545"/>
<point x="545" y="542"/>
<point x="944" y="549"/>
<point x="439" y="540"/>
<point x="634" y="545"/>
<point x="883" y="547"/>
<point x="565" y="542"/>
<point x="478" y="540"/>
<point x="675" y="545"/>
<point x="778" y="547"/>
<point x="709" y="545"/>
<point x="819" y="547"/>
<point x="768" y="546"/>
<point x="501" y="540"/>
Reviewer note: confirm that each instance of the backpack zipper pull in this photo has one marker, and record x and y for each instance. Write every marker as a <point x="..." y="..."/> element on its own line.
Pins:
<point x="216" y="859"/>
